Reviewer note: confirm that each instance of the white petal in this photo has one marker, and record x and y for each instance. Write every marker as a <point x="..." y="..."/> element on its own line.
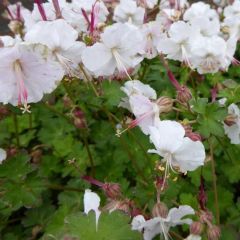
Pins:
<point x="175" y="215"/>
<point x="97" y="57"/>
<point x="91" y="202"/>
<point x="3" y="155"/>
<point x="167" y="136"/>
<point x="137" y="87"/>
<point x="137" y="223"/>
<point x="190" y="155"/>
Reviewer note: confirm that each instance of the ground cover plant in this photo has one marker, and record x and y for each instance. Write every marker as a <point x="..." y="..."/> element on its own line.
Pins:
<point x="120" y="120"/>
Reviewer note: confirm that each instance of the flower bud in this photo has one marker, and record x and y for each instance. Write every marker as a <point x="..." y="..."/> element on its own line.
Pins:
<point x="213" y="233"/>
<point x="160" y="210"/>
<point x="205" y="216"/>
<point x="122" y="205"/>
<point x="80" y="123"/>
<point x="196" y="228"/>
<point x="230" y="120"/>
<point x="67" y="102"/>
<point x="194" y="136"/>
<point x="78" y="113"/>
<point x="184" y="95"/>
<point x="112" y="190"/>
<point x="165" y="104"/>
<point x="36" y="156"/>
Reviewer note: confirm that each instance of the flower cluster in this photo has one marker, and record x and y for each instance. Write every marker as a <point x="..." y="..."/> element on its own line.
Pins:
<point x="109" y="39"/>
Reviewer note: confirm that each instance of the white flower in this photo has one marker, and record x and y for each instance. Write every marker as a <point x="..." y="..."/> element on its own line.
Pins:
<point x="27" y="72"/>
<point x="61" y="38"/>
<point x="74" y="14"/>
<point x="147" y="3"/>
<point x="128" y="11"/>
<point x="91" y="202"/>
<point x="232" y="10"/>
<point x="3" y="155"/>
<point x="31" y="18"/>
<point x="200" y="9"/>
<point x="146" y="112"/>
<point x="233" y="132"/>
<point x="177" y="46"/>
<point x="209" y="54"/>
<point x="177" y="151"/>
<point x="159" y="225"/>
<point x="139" y="102"/>
<point x="152" y="32"/>
<point x="114" y="52"/>
<point x="193" y="237"/>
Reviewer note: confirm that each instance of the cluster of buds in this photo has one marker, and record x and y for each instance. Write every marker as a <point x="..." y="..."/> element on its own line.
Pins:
<point x="116" y="201"/>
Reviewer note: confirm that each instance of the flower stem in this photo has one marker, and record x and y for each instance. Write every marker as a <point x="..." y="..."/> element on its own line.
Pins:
<point x="15" y="122"/>
<point x="214" y="176"/>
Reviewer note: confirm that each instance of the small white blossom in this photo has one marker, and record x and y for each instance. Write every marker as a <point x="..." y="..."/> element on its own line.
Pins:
<point x="160" y="225"/>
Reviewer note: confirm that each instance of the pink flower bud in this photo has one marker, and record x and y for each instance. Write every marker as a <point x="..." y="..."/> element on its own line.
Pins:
<point x="196" y="228"/>
<point x="206" y="216"/>
<point x="213" y="233"/>
<point x="194" y="136"/>
<point x="112" y="190"/>
<point x="165" y="104"/>
<point x="79" y="123"/>
<point x="78" y="113"/>
<point x="160" y="210"/>
<point x="184" y="95"/>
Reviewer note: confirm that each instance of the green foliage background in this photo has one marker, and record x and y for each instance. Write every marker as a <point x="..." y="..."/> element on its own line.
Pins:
<point x="41" y="193"/>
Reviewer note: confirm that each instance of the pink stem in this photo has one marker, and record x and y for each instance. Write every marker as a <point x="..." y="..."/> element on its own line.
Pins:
<point x="93" y="181"/>
<point x="173" y="80"/>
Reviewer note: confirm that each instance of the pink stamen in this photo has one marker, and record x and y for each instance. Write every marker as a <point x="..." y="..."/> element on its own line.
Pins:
<point x="10" y="13"/>
<point x="57" y="8"/>
<point x="41" y="9"/>
<point x="22" y="91"/>
<point x="18" y="17"/>
<point x="136" y="121"/>
<point x="94" y="14"/>
<point x="85" y="16"/>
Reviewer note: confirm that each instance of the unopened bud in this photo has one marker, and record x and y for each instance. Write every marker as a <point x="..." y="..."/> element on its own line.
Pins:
<point x="67" y="101"/>
<point x="165" y="104"/>
<point x="196" y="228"/>
<point x="36" y="156"/>
<point x="205" y="216"/>
<point x="194" y="136"/>
<point x="122" y="205"/>
<point x="78" y="113"/>
<point x="213" y="233"/>
<point x="80" y="123"/>
<point x="160" y="210"/>
<point x="230" y="120"/>
<point x="112" y="190"/>
<point x="184" y="95"/>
